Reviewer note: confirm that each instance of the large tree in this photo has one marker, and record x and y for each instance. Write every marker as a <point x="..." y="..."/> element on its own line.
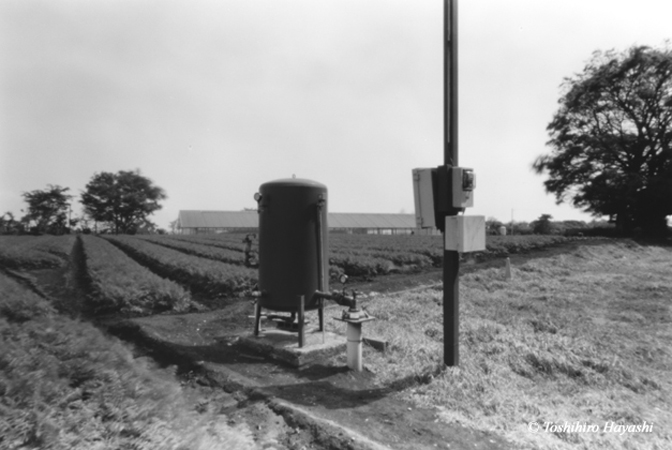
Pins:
<point x="611" y="139"/>
<point x="48" y="209"/>
<point x="124" y="200"/>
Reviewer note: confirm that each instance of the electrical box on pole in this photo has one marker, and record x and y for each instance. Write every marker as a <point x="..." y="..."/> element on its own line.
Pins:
<point x="465" y="234"/>
<point x="440" y="195"/>
<point x="424" y="198"/>
<point x="463" y="183"/>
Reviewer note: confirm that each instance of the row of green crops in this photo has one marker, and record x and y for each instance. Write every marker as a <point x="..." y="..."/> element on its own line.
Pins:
<point x="377" y="262"/>
<point x="360" y="265"/>
<point x="35" y="252"/>
<point x="379" y="254"/>
<point x="18" y="304"/>
<point x="212" y="278"/>
<point x="64" y="384"/>
<point x="432" y="245"/>
<point x="361" y="254"/>
<point x="356" y="261"/>
<point x="118" y="283"/>
<point x="203" y="265"/>
<point x="415" y="243"/>
<point x="203" y="250"/>
<point x="504" y="245"/>
<point x="233" y="241"/>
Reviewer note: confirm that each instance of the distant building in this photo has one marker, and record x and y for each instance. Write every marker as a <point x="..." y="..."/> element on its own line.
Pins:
<point x="197" y="222"/>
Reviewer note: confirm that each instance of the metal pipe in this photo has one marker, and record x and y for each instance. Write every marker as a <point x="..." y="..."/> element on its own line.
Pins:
<point x="320" y="247"/>
<point x="354" y="346"/>
<point x="320" y="264"/>
<point x="450" y="77"/>
<point x="341" y="299"/>
<point x="451" y="259"/>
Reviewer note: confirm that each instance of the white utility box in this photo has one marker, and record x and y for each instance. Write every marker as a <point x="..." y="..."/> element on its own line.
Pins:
<point x="465" y="233"/>
<point x="424" y="198"/>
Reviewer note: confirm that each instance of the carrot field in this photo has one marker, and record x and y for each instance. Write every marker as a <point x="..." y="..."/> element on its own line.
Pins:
<point x="66" y="385"/>
<point x="580" y="333"/>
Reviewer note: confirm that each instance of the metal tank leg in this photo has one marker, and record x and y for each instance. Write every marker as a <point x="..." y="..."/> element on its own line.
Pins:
<point x="302" y="336"/>
<point x="320" y="315"/>
<point x="257" y="318"/>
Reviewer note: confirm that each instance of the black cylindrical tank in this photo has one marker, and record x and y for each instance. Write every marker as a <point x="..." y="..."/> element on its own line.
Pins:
<point x="292" y="219"/>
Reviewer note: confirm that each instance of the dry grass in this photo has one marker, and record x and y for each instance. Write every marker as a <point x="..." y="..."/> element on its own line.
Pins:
<point x="580" y="337"/>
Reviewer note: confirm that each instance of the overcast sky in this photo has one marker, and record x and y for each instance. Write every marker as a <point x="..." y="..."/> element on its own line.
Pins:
<point x="210" y="99"/>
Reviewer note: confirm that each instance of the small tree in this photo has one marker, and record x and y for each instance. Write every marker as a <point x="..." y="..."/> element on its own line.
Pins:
<point x="8" y="225"/>
<point x="543" y="225"/>
<point x="492" y="226"/>
<point x="48" y="209"/>
<point x="123" y="200"/>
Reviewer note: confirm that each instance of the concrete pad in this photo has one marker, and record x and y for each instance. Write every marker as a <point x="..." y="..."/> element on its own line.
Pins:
<point x="283" y="346"/>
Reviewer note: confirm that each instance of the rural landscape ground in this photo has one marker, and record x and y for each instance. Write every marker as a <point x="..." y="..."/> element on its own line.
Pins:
<point x="134" y="342"/>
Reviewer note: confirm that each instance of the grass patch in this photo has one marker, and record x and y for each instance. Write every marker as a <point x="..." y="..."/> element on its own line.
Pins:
<point x="584" y="336"/>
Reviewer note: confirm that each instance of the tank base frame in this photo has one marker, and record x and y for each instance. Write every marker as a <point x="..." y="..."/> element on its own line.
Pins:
<point x="301" y="319"/>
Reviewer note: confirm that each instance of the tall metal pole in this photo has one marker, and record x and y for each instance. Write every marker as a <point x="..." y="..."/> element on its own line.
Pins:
<point x="451" y="259"/>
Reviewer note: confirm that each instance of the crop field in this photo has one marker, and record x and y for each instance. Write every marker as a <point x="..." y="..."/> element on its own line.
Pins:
<point x="580" y="334"/>
<point x="209" y="277"/>
<point x="118" y="283"/>
<point x="363" y="255"/>
<point x="227" y="254"/>
<point x="34" y="252"/>
<point x="66" y="385"/>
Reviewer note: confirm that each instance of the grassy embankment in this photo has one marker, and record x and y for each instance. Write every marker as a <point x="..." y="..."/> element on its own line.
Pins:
<point x="65" y="385"/>
<point x="579" y="337"/>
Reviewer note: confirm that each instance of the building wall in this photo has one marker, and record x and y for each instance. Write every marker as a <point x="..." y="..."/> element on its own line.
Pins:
<point x="388" y="231"/>
<point x="215" y="230"/>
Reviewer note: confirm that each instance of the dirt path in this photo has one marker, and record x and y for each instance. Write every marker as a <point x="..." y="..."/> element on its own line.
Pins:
<point x="335" y="407"/>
